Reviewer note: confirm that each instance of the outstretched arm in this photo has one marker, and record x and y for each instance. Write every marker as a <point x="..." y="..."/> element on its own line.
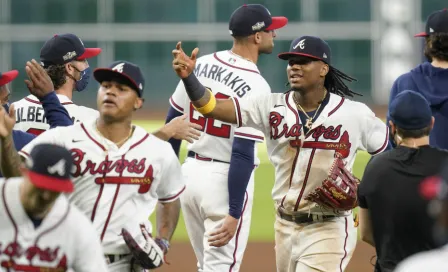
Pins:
<point x="203" y="99"/>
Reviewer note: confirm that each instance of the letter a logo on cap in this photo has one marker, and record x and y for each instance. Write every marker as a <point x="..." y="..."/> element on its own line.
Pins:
<point x="119" y="67"/>
<point x="59" y="168"/>
<point x="300" y="44"/>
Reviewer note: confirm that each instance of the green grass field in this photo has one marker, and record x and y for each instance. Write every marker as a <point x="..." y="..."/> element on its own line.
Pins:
<point x="263" y="213"/>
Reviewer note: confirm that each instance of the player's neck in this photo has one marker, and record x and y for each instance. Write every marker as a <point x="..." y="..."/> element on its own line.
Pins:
<point x="115" y="131"/>
<point x="415" y="142"/>
<point x="28" y="208"/>
<point x="310" y="100"/>
<point x="66" y="89"/>
<point x="245" y="52"/>
<point x="439" y="63"/>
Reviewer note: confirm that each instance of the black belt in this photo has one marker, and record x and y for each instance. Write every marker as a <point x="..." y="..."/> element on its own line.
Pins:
<point x="301" y="218"/>
<point x="192" y="154"/>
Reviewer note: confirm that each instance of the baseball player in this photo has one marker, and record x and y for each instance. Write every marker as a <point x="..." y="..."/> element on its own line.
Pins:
<point x="431" y="77"/>
<point x="64" y="58"/>
<point x="313" y="133"/>
<point x="41" y="86"/>
<point x="36" y="214"/>
<point x="122" y="173"/>
<point x="218" y="198"/>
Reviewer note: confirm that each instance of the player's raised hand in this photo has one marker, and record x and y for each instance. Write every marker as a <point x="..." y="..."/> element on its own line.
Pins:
<point x="39" y="82"/>
<point x="183" y="64"/>
<point x="182" y="129"/>
<point x="225" y="233"/>
<point x="7" y="121"/>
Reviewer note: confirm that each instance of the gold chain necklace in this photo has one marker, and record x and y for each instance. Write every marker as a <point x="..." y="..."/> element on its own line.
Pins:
<point x="116" y="143"/>
<point x="309" y="120"/>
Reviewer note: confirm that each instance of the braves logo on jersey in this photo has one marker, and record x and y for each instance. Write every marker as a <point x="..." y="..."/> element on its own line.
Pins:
<point x="126" y="170"/>
<point x="48" y="255"/>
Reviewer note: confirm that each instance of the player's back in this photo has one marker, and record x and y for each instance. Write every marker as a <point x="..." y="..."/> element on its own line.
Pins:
<point x="226" y="74"/>
<point x="30" y="115"/>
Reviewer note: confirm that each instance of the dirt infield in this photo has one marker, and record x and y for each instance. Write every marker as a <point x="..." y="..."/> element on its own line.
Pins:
<point x="259" y="257"/>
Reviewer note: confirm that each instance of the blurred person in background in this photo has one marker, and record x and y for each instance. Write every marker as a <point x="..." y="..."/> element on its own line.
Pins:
<point x="220" y="167"/>
<point x="392" y="216"/>
<point x="431" y="78"/>
<point x="64" y="58"/>
<point x="434" y="189"/>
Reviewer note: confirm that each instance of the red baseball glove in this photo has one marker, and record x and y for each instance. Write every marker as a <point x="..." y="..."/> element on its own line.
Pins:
<point x="339" y="190"/>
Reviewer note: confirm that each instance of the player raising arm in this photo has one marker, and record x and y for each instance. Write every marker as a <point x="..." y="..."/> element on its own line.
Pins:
<point x="313" y="133"/>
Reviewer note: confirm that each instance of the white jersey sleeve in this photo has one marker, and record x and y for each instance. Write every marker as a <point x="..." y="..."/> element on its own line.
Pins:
<point x="247" y="132"/>
<point x="52" y="136"/>
<point x="180" y="100"/>
<point x="253" y="112"/>
<point x="374" y="134"/>
<point x="89" y="252"/>
<point x="172" y="183"/>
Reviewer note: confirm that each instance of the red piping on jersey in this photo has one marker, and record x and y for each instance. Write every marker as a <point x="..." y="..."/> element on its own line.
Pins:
<point x="92" y="217"/>
<point x="111" y="210"/>
<point x="249" y="136"/>
<point x="294" y="163"/>
<point x="172" y="197"/>
<point x="307" y="174"/>
<point x="55" y="225"/>
<point x="91" y="138"/>
<point x="233" y="66"/>
<point x="24" y="153"/>
<point x="337" y="107"/>
<point x="238" y="234"/>
<point x="37" y="102"/>
<point x="345" y="244"/>
<point x="139" y="142"/>
<point x="238" y="112"/>
<point x="177" y="107"/>
<point x="384" y="144"/>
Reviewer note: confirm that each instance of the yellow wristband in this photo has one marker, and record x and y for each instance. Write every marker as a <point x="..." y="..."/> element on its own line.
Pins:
<point x="210" y="106"/>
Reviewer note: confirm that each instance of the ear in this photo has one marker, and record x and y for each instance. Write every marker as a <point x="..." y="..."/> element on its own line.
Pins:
<point x="392" y="126"/>
<point x="433" y="120"/>
<point x="324" y="70"/>
<point x="138" y="103"/>
<point x="257" y="37"/>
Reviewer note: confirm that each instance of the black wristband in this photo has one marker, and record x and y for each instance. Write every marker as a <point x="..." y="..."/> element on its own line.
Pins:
<point x="195" y="89"/>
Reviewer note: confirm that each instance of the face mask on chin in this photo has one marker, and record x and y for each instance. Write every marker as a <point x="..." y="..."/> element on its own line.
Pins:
<point x="81" y="84"/>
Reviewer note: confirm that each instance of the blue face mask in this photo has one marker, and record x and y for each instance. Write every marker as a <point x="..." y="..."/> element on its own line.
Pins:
<point x="81" y="84"/>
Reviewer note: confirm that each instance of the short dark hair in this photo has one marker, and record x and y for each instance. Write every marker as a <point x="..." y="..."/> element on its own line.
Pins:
<point x="415" y="133"/>
<point x="437" y="46"/>
<point x="57" y="74"/>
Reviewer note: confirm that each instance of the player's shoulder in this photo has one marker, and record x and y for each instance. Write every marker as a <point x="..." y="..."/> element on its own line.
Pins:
<point x="150" y="139"/>
<point x="433" y="260"/>
<point x="26" y="101"/>
<point x="86" y="111"/>
<point x="360" y="108"/>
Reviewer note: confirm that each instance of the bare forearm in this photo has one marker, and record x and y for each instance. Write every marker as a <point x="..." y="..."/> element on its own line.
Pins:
<point x="167" y="215"/>
<point x="10" y="159"/>
<point x="163" y="133"/>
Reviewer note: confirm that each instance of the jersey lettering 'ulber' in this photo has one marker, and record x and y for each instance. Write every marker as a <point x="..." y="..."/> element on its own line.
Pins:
<point x="33" y="114"/>
<point x="221" y="74"/>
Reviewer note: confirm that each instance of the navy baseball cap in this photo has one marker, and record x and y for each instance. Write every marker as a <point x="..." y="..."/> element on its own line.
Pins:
<point x="252" y="18"/>
<point x="437" y="22"/>
<point x="49" y="167"/>
<point x="61" y="49"/>
<point x="130" y="73"/>
<point x="7" y="77"/>
<point x="309" y="46"/>
<point x="410" y="110"/>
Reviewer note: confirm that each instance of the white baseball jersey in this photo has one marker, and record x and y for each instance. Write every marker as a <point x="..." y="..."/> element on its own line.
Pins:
<point x="301" y="161"/>
<point x="433" y="260"/>
<point x="114" y="186"/>
<point x="227" y="75"/>
<point x="26" y="248"/>
<point x="30" y="116"/>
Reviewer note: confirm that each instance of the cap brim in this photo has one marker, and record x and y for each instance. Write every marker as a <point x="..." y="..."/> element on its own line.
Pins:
<point x="90" y="53"/>
<point x="50" y="183"/>
<point x="287" y="55"/>
<point x="277" y="22"/>
<point x="421" y="34"/>
<point x="106" y="74"/>
<point x="8" y="77"/>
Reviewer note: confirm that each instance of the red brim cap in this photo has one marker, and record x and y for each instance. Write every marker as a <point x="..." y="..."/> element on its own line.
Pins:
<point x="90" y="53"/>
<point x="421" y="34"/>
<point x="277" y="22"/>
<point x="50" y="183"/>
<point x="7" y="77"/>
